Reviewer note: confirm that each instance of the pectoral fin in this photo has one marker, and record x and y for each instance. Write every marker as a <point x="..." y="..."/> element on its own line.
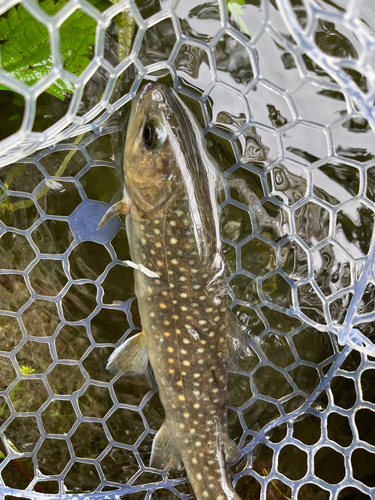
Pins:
<point x="131" y="357"/>
<point x="164" y="453"/>
<point x="237" y="345"/>
<point x="119" y="208"/>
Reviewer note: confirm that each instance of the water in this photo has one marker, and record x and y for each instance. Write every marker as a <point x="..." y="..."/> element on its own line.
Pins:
<point x="289" y="213"/>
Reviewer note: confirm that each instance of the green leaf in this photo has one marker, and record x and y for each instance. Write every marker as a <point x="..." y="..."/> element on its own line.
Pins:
<point x="25" y="51"/>
<point x="234" y="7"/>
<point x="4" y="29"/>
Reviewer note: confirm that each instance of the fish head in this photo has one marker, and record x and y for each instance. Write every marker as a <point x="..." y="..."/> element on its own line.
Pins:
<point x="153" y="149"/>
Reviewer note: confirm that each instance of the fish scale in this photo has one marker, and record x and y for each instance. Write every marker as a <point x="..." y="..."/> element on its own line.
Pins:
<point x="172" y="229"/>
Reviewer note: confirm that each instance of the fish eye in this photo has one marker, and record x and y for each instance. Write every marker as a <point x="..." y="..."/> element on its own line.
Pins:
<point x="154" y="134"/>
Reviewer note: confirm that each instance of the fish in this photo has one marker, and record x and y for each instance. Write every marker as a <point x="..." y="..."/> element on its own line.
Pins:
<point x="189" y="336"/>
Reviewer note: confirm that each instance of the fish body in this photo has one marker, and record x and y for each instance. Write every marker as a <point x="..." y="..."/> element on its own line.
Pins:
<point x="173" y="232"/>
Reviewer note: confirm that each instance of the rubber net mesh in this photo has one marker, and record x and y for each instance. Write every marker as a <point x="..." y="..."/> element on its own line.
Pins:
<point x="283" y="91"/>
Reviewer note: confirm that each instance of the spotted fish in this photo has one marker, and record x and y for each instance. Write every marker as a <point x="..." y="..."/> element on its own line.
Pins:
<point x="188" y="336"/>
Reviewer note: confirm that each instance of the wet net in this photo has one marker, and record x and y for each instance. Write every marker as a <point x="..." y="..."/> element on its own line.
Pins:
<point x="283" y="92"/>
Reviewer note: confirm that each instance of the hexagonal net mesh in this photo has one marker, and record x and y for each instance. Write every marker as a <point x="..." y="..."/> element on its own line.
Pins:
<point x="283" y="92"/>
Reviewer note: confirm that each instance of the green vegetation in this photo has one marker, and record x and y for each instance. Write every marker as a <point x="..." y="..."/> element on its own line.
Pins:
<point x="234" y="8"/>
<point x="25" y="370"/>
<point x="25" y="45"/>
<point x="265" y="473"/>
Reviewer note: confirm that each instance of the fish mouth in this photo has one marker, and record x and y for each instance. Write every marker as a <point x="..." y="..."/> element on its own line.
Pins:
<point x="147" y="88"/>
<point x="152" y="91"/>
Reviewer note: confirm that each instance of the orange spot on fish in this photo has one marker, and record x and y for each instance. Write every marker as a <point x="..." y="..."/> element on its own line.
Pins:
<point x="170" y="360"/>
<point x="181" y="397"/>
<point x="167" y="334"/>
<point x="163" y="306"/>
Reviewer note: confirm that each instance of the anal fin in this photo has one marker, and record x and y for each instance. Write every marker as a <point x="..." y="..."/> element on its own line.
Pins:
<point x="131" y="357"/>
<point x="164" y="454"/>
